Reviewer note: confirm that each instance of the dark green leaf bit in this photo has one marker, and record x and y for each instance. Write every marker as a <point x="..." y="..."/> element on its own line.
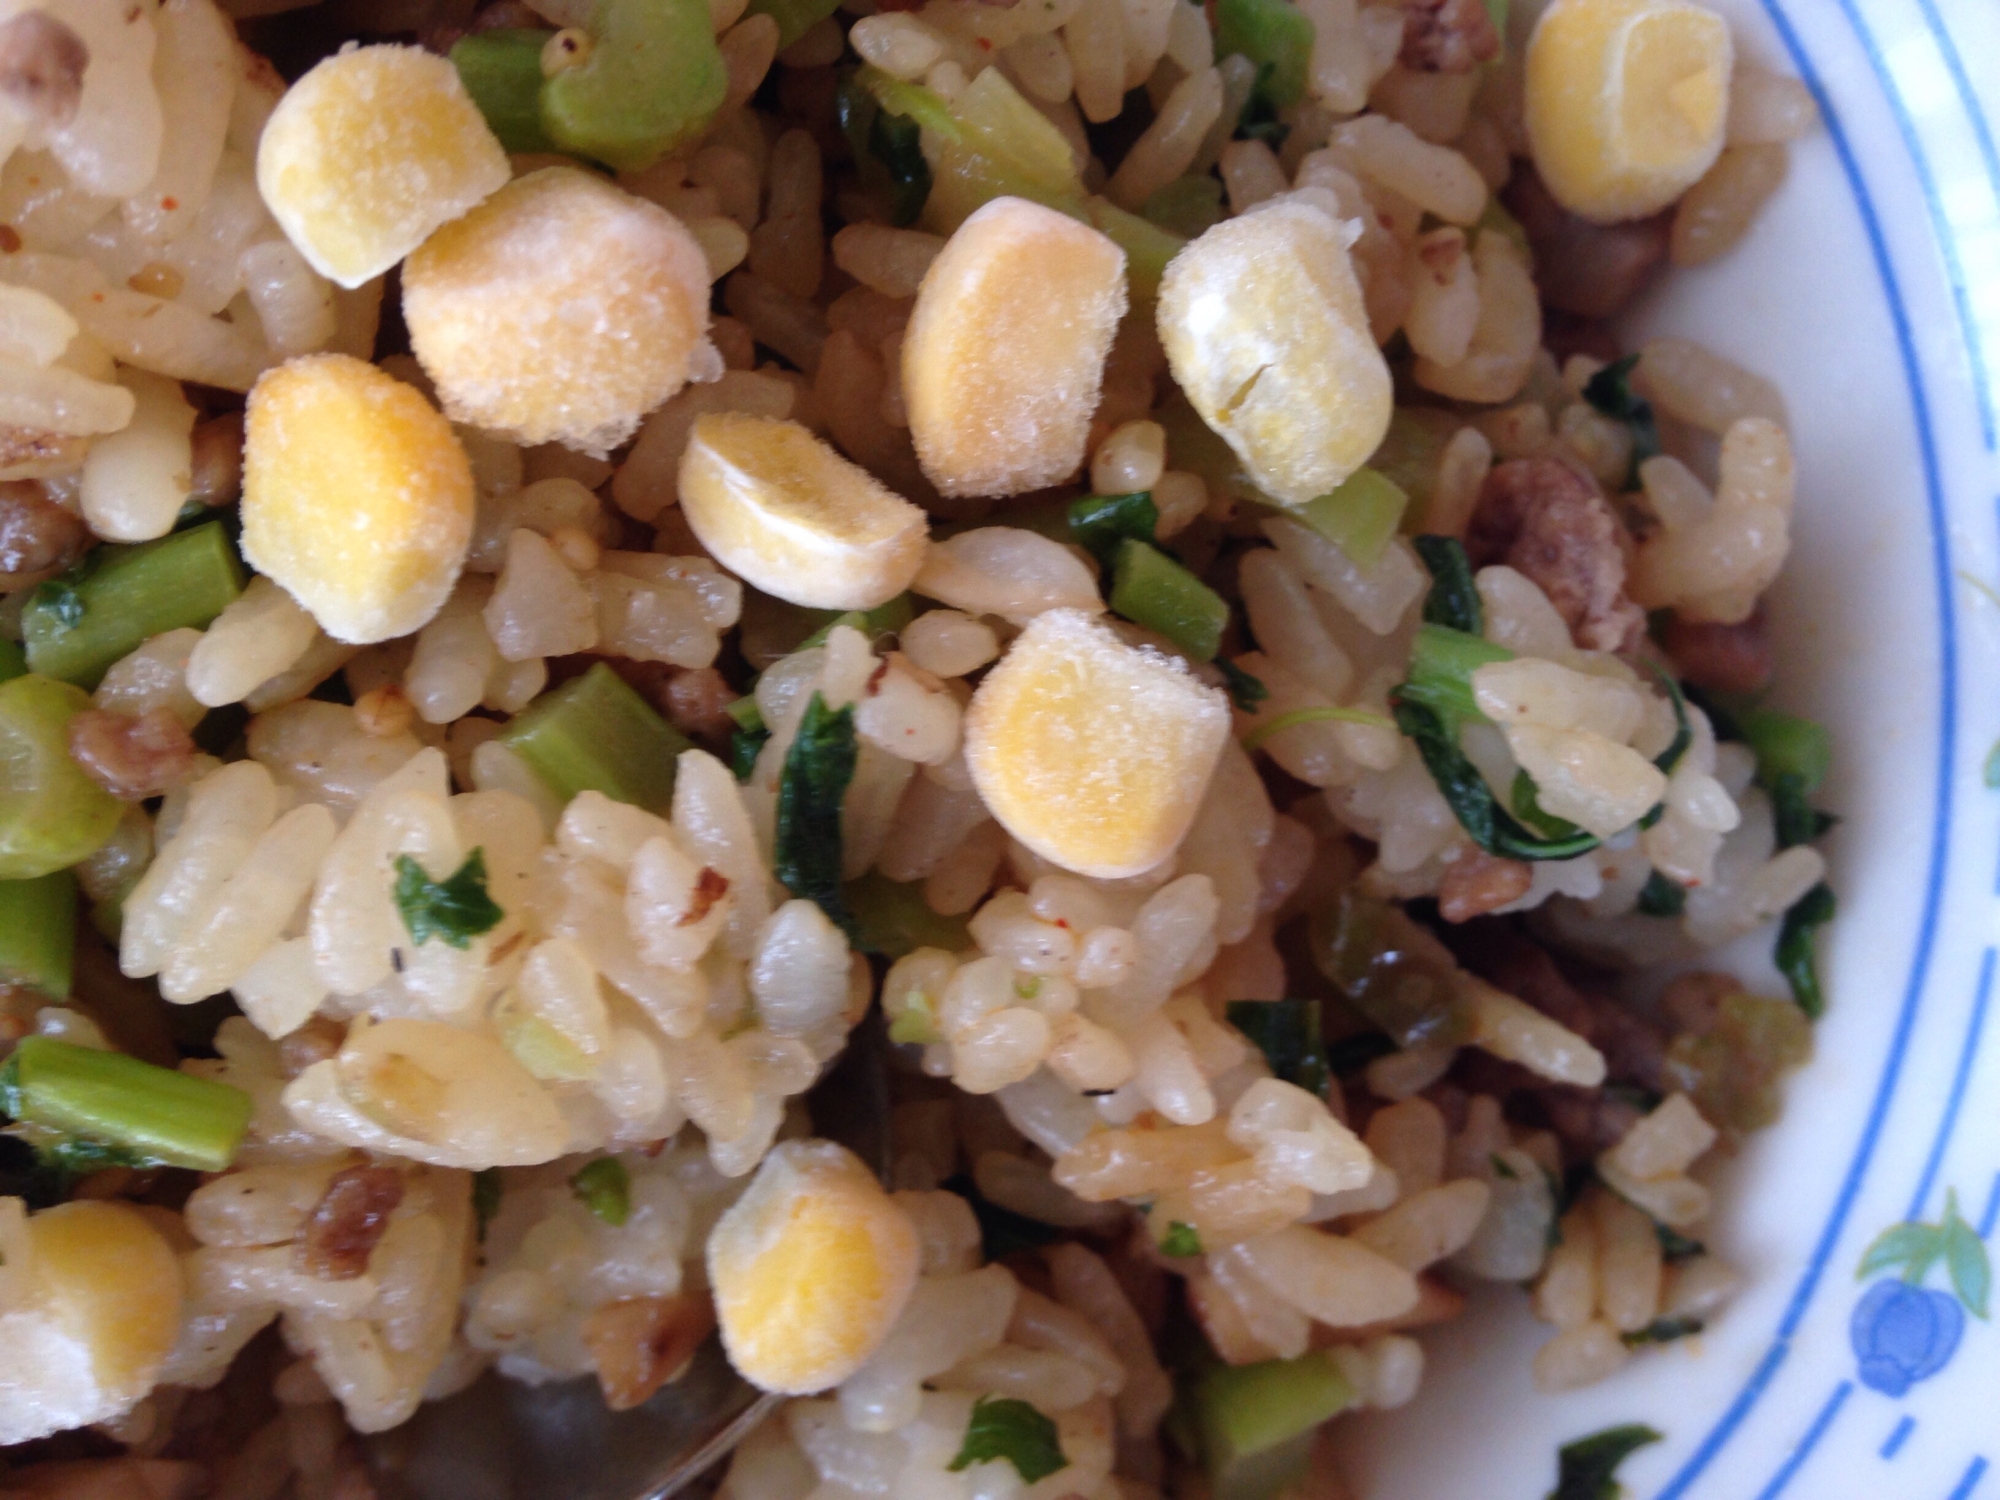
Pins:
<point x="1610" y="391"/>
<point x="1661" y="897"/>
<point x="455" y="910"/>
<point x="1663" y="1331"/>
<point x="1005" y="1428"/>
<point x="1588" y="1468"/>
<point x="1453" y="600"/>
<point x="1287" y="1032"/>
<point x="818" y="768"/>
<point x="1793" y="756"/>
<point x="605" y="1188"/>
<point x="1245" y="691"/>
<point x="1100" y="523"/>
<point x="487" y="1191"/>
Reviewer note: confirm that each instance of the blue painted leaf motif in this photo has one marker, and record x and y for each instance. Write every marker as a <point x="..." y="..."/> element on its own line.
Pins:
<point x="1903" y="1334"/>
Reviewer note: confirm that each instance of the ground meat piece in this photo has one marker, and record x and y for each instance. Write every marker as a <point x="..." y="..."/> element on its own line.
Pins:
<point x="316" y="1041"/>
<point x="1722" y="658"/>
<point x="217" y="467"/>
<point x="640" y="1343"/>
<point x="41" y="67"/>
<point x="27" y="451"/>
<point x="1592" y="270"/>
<point x="1589" y="1123"/>
<point x="695" y="701"/>
<point x="1477" y="882"/>
<point x="38" y="538"/>
<point x="1634" y="1050"/>
<point x="133" y="758"/>
<point x="1447" y="36"/>
<point x="1547" y="521"/>
<point x="349" y="1221"/>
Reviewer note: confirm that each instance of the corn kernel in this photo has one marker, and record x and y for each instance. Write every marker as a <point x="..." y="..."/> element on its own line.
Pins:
<point x="1093" y="753"/>
<point x="561" y="310"/>
<point x="1004" y="354"/>
<point x="1626" y="102"/>
<point x="357" y="497"/>
<point x="370" y="152"/>
<point x="810" y="1268"/>
<point x="102" y="1310"/>
<point x="1264" y="326"/>
<point x="787" y="514"/>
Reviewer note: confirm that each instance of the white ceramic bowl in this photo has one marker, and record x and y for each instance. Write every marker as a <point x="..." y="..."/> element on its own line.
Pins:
<point x="1870" y="292"/>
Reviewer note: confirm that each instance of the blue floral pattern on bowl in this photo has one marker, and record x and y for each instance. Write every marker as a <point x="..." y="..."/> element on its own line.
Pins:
<point x="1903" y="1331"/>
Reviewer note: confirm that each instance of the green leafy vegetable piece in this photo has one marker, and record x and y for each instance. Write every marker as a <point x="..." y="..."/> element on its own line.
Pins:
<point x="1470" y="799"/>
<point x="1003" y="1427"/>
<point x="1526" y="805"/>
<point x="106" y="1100"/>
<point x="1661" y="897"/>
<point x="1101" y="524"/>
<point x="1663" y="1331"/>
<point x="1610" y="391"/>
<point x="1187" y="206"/>
<point x="883" y="619"/>
<point x="605" y="1188"/>
<point x="13" y="660"/>
<point x="1675" y="1246"/>
<point x="454" y="910"/>
<point x="595" y="734"/>
<point x="502" y="71"/>
<point x="654" y="78"/>
<point x="818" y="768"/>
<point x="745" y="714"/>
<point x="1245" y="690"/>
<point x="120" y="597"/>
<point x="1288" y="1033"/>
<point x="745" y="745"/>
<point x="1453" y="600"/>
<point x="1787" y="745"/>
<point x="487" y="1190"/>
<point x="1270" y="33"/>
<point x="892" y="918"/>
<point x="51" y="813"/>
<point x="1588" y="1468"/>
<point x="1360" y="516"/>
<point x="1258" y="119"/>
<point x="1391" y="970"/>
<point x="926" y="106"/>
<point x="893" y="141"/>
<point x="1180" y="1239"/>
<point x="1442" y="661"/>
<point x="1795" y="820"/>
<point x="1795" y="955"/>
<point x="1002" y="1232"/>
<point x="1151" y="589"/>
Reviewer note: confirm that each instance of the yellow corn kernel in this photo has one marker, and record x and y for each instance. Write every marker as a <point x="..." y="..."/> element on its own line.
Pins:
<point x="1626" y="102"/>
<point x="787" y="514"/>
<point x="561" y="310"/>
<point x="357" y="497"/>
<point x="810" y="1267"/>
<point x="1091" y="752"/>
<point x="1004" y="354"/>
<point x="101" y="1310"/>
<point x="1264" y="326"/>
<point x="370" y="152"/>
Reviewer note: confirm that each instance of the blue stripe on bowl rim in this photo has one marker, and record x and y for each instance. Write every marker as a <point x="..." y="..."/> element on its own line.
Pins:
<point x="1811" y="1279"/>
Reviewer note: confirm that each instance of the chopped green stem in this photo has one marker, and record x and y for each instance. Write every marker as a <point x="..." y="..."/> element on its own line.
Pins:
<point x="1258" y="737"/>
<point x="605" y="1188"/>
<point x="1187" y="206"/>
<point x="892" y="918"/>
<point x="51" y="813"/>
<point x="1359" y="517"/>
<point x="38" y="932"/>
<point x="1795" y="955"/>
<point x="594" y="733"/>
<point x="1151" y="589"/>
<point x="1288" y="1033"/>
<point x="13" y="660"/>
<point x="1148" y="248"/>
<point x="1268" y="32"/>
<point x="654" y="78"/>
<point x="1101" y="523"/>
<point x="1787" y="745"/>
<point x="502" y="70"/>
<point x="794" y="17"/>
<point x="1255" y="1422"/>
<point x="745" y="714"/>
<point x="1442" y="661"/>
<point x="120" y="597"/>
<point x="883" y="619"/>
<point x="926" y="106"/>
<point x="161" y="1117"/>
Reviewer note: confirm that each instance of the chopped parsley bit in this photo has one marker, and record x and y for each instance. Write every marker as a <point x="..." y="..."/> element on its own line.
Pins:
<point x="487" y="1190"/>
<point x="605" y="1188"/>
<point x="1663" y="1331"/>
<point x="1288" y="1033"/>
<point x="1502" y="1169"/>
<point x="1245" y="691"/>
<point x="1588" y="1468"/>
<point x="455" y="910"/>
<point x="1675" y="1246"/>
<point x="1181" y="1239"/>
<point x="818" y="768"/>
<point x="1027" y="987"/>
<point x="1003" y="1427"/>
<point x="1661" y="897"/>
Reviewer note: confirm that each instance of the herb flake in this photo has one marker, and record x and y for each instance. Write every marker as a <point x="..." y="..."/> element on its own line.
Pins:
<point x="1795" y="955"/>
<point x="1288" y="1033"/>
<point x="1587" y="1469"/>
<point x="605" y="1188"/>
<point x="818" y="768"/>
<point x="1102" y="523"/>
<point x="487" y="1191"/>
<point x="1610" y="391"/>
<point x="1663" y="1331"/>
<point x="1245" y="691"/>
<point x="454" y="910"/>
<point x="1180" y="1239"/>
<point x="1661" y="897"/>
<point x="1003" y="1427"/>
<point x="1453" y="600"/>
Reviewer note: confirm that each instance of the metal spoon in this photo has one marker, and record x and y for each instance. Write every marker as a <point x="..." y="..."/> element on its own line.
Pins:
<point x="500" y="1440"/>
